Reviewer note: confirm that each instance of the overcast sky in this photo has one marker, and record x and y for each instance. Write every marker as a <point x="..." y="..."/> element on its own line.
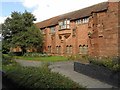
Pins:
<point x="43" y="9"/>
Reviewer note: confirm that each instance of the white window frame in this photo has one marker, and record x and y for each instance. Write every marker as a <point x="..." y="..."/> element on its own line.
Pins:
<point x="64" y="24"/>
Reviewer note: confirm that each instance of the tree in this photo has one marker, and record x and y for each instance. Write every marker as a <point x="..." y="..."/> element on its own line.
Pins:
<point x="19" y="30"/>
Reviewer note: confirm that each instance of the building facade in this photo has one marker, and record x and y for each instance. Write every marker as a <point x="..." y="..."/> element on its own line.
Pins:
<point x="93" y="31"/>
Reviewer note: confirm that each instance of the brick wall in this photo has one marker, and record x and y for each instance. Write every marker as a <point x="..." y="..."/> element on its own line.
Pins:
<point x="103" y="41"/>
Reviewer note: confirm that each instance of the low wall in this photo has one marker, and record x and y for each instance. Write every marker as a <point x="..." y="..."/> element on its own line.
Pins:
<point x="99" y="72"/>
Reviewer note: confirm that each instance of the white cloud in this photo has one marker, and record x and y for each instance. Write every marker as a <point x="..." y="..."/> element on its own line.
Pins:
<point x="2" y="19"/>
<point x="30" y="3"/>
<point x="45" y="9"/>
<point x="11" y="0"/>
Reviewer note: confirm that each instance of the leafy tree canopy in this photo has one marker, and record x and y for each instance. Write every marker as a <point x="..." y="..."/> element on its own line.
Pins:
<point x="19" y="30"/>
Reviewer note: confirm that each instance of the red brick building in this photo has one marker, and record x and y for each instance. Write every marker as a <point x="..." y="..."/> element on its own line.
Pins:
<point x="93" y="30"/>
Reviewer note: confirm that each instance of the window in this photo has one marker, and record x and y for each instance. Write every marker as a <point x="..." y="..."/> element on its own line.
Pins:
<point x="80" y="49"/>
<point x="52" y="30"/>
<point x="49" y="49"/>
<point x="64" y="24"/>
<point x="58" y="49"/>
<point x="83" y="49"/>
<point x="69" y="49"/>
<point x="86" y="20"/>
<point x="80" y="21"/>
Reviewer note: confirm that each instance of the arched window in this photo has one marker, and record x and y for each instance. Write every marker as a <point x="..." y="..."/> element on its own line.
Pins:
<point x="83" y="49"/>
<point x="67" y="49"/>
<point x="59" y="49"/>
<point x="80" y="49"/>
<point x="70" y="49"/>
<point x="49" y="49"/>
<point x="86" y="49"/>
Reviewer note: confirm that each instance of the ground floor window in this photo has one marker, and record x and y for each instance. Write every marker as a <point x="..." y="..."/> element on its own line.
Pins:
<point x="49" y="49"/>
<point x="80" y="49"/>
<point x="83" y="49"/>
<point x="69" y="49"/>
<point x="58" y="49"/>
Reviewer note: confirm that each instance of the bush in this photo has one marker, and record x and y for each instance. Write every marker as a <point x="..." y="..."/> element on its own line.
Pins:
<point x="42" y="77"/>
<point x="111" y="63"/>
<point x="36" y="55"/>
<point x="81" y="58"/>
<point x="7" y="59"/>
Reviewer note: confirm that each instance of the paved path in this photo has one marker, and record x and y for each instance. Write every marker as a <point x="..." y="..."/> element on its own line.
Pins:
<point x="66" y="68"/>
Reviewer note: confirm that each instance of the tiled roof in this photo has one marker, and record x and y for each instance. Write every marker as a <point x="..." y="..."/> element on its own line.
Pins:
<point x="73" y="15"/>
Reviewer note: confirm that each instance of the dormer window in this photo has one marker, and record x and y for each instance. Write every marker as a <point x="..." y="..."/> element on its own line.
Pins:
<point x="64" y="24"/>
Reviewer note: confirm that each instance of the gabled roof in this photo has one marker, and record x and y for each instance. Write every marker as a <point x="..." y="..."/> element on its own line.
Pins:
<point x="85" y="12"/>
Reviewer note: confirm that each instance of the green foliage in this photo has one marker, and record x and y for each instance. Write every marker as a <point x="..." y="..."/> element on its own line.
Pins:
<point x="111" y="63"/>
<point x="81" y="58"/>
<point x="34" y="37"/>
<point x="36" y="78"/>
<point x="36" y="55"/>
<point x="19" y="30"/>
<point x="7" y="59"/>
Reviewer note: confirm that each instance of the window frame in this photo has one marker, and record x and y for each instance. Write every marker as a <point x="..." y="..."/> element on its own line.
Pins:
<point x="49" y="49"/>
<point x="82" y="20"/>
<point x="64" y="24"/>
<point x="52" y="30"/>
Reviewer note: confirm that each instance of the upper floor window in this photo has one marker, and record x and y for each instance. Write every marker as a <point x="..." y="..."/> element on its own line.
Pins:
<point x="78" y="21"/>
<point x="64" y="24"/>
<point x="52" y="29"/>
<point x="43" y="31"/>
<point x="85" y="20"/>
<point x="81" y="21"/>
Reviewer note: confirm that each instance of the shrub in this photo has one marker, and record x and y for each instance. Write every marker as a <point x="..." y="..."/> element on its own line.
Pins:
<point x="111" y="63"/>
<point x="36" y="55"/>
<point x="7" y="59"/>
<point x="81" y="58"/>
<point x="42" y="77"/>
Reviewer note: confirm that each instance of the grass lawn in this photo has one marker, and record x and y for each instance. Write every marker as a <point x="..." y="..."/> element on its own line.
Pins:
<point x="48" y="59"/>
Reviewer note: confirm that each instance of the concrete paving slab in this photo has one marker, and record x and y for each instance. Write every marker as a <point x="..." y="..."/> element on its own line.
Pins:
<point x="66" y="68"/>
